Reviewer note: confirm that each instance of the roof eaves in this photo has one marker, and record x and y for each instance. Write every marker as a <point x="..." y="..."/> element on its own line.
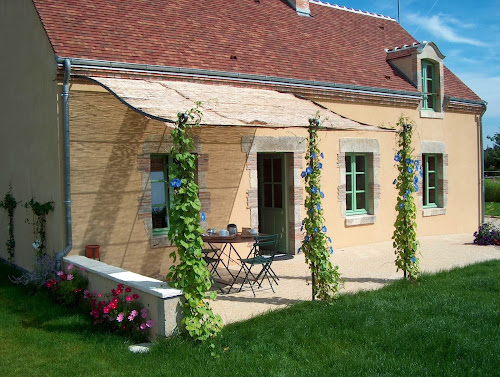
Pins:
<point x="358" y="11"/>
<point x="202" y="73"/>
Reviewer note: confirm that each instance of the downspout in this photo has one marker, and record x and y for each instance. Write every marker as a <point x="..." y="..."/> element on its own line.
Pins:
<point x="67" y="182"/>
<point x="481" y="173"/>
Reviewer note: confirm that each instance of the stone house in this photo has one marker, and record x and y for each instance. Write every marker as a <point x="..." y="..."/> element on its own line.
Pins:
<point x="261" y="69"/>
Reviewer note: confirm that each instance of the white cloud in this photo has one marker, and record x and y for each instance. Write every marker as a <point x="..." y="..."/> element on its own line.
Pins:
<point x="440" y="28"/>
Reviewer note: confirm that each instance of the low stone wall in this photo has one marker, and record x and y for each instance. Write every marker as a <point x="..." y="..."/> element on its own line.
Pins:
<point x="162" y="302"/>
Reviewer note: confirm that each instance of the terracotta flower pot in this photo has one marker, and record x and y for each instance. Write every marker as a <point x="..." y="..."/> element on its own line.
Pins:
<point x="92" y="251"/>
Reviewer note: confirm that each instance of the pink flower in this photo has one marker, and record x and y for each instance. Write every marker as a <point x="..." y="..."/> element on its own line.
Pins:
<point x="150" y="323"/>
<point x="119" y="317"/>
<point x="135" y="296"/>
<point x="119" y="291"/>
<point x="129" y="298"/>
<point x="86" y="293"/>
<point x="128" y="289"/>
<point x="69" y="277"/>
<point x="82" y="269"/>
<point x="106" y="309"/>
<point x="60" y="273"/>
<point x="70" y="267"/>
<point x="132" y="315"/>
<point x="142" y="326"/>
<point x="144" y="312"/>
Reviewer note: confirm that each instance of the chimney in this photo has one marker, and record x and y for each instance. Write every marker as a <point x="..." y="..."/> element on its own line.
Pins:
<point x="301" y="6"/>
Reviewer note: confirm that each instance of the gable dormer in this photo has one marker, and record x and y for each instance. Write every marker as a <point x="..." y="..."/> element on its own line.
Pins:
<point x="422" y="65"/>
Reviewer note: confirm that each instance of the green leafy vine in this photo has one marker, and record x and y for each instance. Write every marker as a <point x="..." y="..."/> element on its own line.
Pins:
<point x="405" y="233"/>
<point x="326" y="280"/>
<point x="9" y="203"/>
<point x="40" y="211"/>
<point x="191" y="273"/>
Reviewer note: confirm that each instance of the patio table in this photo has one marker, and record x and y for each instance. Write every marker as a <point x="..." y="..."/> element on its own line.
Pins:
<point x="226" y="247"/>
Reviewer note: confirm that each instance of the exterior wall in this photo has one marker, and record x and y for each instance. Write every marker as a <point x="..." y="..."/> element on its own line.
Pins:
<point x="109" y="143"/>
<point x="459" y="133"/>
<point x="30" y="129"/>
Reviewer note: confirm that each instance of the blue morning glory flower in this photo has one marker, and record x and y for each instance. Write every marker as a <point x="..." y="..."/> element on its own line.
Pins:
<point x="397" y="158"/>
<point x="203" y="217"/>
<point x="313" y="155"/>
<point x="401" y="205"/>
<point x="394" y="182"/>
<point x="322" y="194"/>
<point x="415" y="179"/>
<point x="320" y="165"/>
<point x="303" y="174"/>
<point x="322" y="155"/>
<point x="314" y="189"/>
<point x="316" y="230"/>
<point x="176" y="182"/>
<point x="306" y="238"/>
<point x="410" y="170"/>
<point x="301" y="228"/>
<point x="309" y="170"/>
<point x="329" y="240"/>
<point x="303" y="222"/>
<point x="405" y="196"/>
<point x="416" y="188"/>
<point x="324" y="229"/>
<point x="408" y="191"/>
<point x="408" y="161"/>
<point x="310" y="210"/>
<point x="318" y="206"/>
<point x="331" y="250"/>
<point x="413" y="259"/>
<point x="298" y="251"/>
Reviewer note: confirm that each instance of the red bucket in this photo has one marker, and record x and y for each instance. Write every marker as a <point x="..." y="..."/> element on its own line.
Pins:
<point x="92" y="251"/>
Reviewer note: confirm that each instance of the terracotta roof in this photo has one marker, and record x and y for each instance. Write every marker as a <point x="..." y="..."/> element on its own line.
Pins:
<point x="263" y="38"/>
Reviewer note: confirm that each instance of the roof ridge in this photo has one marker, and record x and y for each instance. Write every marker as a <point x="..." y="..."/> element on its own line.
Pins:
<point x="404" y="47"/>
<point x="358" y="11"/>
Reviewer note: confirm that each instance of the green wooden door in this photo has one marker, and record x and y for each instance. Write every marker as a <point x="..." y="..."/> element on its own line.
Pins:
<point x="272" y="195"/>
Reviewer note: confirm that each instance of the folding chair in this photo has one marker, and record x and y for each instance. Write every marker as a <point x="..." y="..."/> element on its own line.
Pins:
<point x="262" y="243"/>
<point x="212" y="260"/>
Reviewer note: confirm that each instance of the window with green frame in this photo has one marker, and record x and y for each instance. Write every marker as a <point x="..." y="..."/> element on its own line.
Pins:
<point x="161" y="193"/>
<point x="356" y="183"/>
<point x="429" y="85"/>
<point x="430" y="178"/>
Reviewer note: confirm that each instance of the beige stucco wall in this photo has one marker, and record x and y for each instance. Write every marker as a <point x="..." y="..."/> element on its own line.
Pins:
<point x="107" y="138"/>
<point x="30" y="130"/>
<point x="459" y="132"/>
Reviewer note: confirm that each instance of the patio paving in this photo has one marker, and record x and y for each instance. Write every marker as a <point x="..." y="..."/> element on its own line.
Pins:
<point x="362" y="268"/>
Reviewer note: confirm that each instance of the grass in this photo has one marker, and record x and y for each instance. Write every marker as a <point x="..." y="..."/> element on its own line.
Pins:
<point x="448" y="324"/>
<point x="492" y="190"/>
<point x="492" y="209"/>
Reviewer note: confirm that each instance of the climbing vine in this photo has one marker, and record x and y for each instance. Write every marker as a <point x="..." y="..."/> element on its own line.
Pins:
<point x="39" y="211"/>
<point x="9" y="203"/>
<point x="190" y="274"/>
<point x="326" y="280"/>
<point x="405" y="233"/>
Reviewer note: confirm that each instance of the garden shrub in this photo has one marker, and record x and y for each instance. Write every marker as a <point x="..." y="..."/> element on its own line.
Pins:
<point x="68" y="287"/>
<point x="487" y="234"/>
<point x="44" y="269"/>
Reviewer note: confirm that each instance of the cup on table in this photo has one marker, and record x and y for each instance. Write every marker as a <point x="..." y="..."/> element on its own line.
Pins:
<point x="254" y="231"/>
<point x="223" y="233"/>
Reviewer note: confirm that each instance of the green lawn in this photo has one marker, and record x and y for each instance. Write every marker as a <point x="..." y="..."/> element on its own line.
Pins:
<point x="446" y="325"/>
<point x="492" y="209"/>
<point x="492" y="190"/>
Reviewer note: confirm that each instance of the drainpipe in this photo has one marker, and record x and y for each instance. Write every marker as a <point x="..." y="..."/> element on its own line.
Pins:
<point x="67" y="182"/>
<point x="481" y="173"/>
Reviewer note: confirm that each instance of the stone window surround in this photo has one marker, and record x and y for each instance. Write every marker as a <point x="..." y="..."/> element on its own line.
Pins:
<point x="438" y="148"/>
<point x="295" y="147"/>
<point x="161" y="144"/>
<point x="430" y="53"/>
<point x="372" y="148"/>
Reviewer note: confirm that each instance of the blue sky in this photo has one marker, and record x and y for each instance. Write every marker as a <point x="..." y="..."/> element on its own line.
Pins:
<point x="466" y="32"/>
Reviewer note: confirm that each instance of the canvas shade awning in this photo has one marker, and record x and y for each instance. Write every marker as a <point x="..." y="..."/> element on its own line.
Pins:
<point x="223" y="105"/>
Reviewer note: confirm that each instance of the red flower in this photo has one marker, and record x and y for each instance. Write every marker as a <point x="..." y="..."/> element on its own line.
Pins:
<point x="119" y="291"/>
<point x="78" y="290"/>
<point x="114" y="293"/>
<point x="120" y="286"/>
<point x="124" y="327"/>
<point x="135" y="296"/>
<point x="128" y="289"/>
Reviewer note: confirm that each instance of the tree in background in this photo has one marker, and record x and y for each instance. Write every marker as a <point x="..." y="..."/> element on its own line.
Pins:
<point x="492" y="154"/>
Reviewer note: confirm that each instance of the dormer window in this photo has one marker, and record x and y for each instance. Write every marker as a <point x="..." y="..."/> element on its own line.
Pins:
<point x="429" y="86"/>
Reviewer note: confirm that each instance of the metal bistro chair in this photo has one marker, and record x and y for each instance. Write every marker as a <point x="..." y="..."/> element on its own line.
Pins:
<point x="212" y="260"/>
<point x="269" y="244"/>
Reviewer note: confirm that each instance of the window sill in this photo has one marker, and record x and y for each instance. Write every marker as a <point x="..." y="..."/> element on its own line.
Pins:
<point x="426" y="212"/>
<point x="360" y="220"/>
<point x="159" y="241"/>
<point x="431" y="114"/>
